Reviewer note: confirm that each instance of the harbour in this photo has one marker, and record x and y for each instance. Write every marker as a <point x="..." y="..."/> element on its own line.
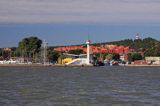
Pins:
<point x="63" y="65"/>
<point x="79" y="53"/>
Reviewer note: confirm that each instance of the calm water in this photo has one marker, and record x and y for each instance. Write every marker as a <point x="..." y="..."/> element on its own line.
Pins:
<point x="80" y="86"/>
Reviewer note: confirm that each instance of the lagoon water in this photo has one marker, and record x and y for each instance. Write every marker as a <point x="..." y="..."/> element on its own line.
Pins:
<point x="79" y="86"/>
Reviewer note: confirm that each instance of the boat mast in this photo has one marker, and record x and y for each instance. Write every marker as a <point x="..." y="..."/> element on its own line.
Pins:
<point x="44" y="52"/>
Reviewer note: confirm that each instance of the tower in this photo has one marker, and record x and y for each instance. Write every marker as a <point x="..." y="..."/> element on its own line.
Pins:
<point x="88" y="52"/>
<point x="44" y="52"/>
<point x="137" y="36"/>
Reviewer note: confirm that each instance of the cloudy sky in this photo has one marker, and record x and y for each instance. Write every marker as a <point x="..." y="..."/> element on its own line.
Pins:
<point x="69" y="21"/>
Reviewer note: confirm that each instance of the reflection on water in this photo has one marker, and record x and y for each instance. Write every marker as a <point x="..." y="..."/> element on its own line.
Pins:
<point x="79" y="86"/>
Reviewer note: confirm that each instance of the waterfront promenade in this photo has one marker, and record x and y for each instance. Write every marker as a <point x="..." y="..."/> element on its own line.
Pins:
<point x="63" y="65"/>
<point x="42" y="65"/>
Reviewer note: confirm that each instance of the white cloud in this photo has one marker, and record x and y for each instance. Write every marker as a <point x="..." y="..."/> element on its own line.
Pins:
<point x="103" y="11"/>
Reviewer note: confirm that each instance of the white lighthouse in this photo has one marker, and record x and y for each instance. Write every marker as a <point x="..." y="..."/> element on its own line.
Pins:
<point x="137" y="36"/>
<point x="88" y="52"/>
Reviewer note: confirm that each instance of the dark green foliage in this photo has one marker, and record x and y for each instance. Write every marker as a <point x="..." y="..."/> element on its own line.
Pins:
<point x="53" y="56"/>
<point x="136" y="56"/>
<point x="129" y="57"/>
<point x="116" y="56"/>
<point x="1" y="52"/>
<point x="154" y="50"/>
<point x="149" y="52"/>
<point x="30" y="46"/>
<point x="150" y="46"/>
<point x="6" y="54"/>
<point x="126" y="42"/>
<point x="138" y="44"/>
<point x="76" y="52"/>
<point x="149" y="43"/>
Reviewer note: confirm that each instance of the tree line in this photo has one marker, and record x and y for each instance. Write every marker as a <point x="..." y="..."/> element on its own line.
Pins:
<point x="31" y="48"/>
<point x="149" y="46"/>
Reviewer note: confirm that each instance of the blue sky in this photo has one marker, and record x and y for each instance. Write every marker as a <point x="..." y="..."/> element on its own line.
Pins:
<point x="62" y="22"/>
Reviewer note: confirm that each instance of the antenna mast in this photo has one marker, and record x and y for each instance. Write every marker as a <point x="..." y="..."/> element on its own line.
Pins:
<point x="44" y="52"/>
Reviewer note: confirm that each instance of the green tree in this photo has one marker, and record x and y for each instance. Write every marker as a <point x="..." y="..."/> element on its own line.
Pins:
<point x="149" y="43"/>
<point x="30" y="47"/>
<point x="154" y="50"/>
<point x="1" y="52"/>
<point x="136" y="56"/>
<point x="129" y="55"/>
<point x="76" y="52"/>
<point x="138" y="44"/>
<point x="126" y="42"/>
<point x="116" y="56"/>
<point x="109" y="56"/>
<point x="53" y="56"/>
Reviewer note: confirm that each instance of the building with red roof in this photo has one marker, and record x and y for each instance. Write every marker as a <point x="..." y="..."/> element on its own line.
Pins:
<point x="107" y="48"/>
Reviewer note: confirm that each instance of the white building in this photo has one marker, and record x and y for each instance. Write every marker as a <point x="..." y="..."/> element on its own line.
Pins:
<point x="137" y="36"/>
<point x="153" y="60"/>
<point x="85" y="59"/>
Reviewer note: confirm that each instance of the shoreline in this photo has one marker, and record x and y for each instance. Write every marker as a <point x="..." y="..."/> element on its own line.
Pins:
<point x="61" y="65"/>
<point x="42" y="65"/>
<point x="143" y="65"/>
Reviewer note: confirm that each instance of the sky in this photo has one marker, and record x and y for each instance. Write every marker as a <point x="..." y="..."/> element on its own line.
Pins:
<point x="65" y="22"/>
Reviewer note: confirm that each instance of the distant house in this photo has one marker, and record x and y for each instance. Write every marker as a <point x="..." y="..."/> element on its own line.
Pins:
<point x="153" y="60"/>
<point x="139" y="62"/>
